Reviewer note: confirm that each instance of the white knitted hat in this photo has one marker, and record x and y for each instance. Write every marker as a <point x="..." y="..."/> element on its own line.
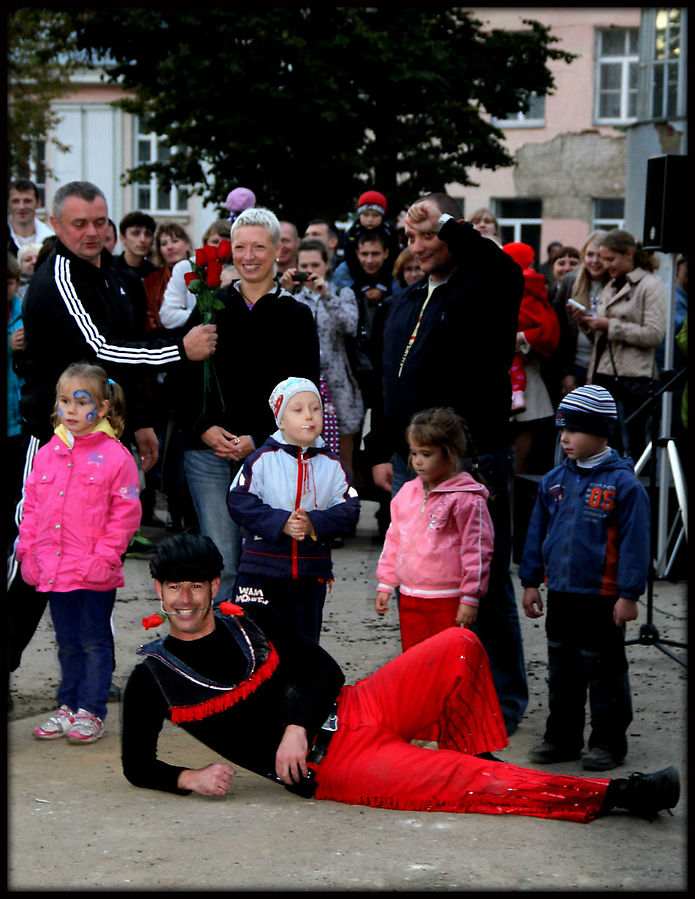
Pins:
<point x="284" y="392"/>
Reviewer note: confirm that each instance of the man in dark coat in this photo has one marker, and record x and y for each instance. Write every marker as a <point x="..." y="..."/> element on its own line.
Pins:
<point x="449" y="341"/>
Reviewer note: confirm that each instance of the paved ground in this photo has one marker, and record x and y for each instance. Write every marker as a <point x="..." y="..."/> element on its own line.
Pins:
<point x="75" y="822"/>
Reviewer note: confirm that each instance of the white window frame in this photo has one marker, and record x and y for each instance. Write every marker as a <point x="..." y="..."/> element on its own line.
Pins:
<point x="624" y="60"/>
<point x="36" y="171"/>
<point x="605" y="223"/>
<point x="517" y="222"/>
<point x="153" y="208"/>
<point x="667" y="63"/>
<point x="525" y="119"/>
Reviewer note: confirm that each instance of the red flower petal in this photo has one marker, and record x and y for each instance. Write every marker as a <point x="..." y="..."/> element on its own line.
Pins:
<point x="153" y="621"/>
<point x="214" y="273"/>
<point x="224" y="250"/>
<point x="230" y="608"/>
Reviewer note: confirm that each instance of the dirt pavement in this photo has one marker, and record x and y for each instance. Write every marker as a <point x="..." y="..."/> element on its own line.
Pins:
<point x="75" y="822"/>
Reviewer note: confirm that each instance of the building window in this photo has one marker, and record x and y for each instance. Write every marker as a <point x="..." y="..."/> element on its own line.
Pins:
<point x="608" y="213"/>
<point x="35" y="170"/>
<point x="666" y="63"/>
<point x="150" y="196"/>
<point x="520" y="220"/>
<point x="617" y="61"/>
<point x="534" y="117"/>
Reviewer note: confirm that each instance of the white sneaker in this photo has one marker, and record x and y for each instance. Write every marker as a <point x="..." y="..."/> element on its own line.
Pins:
<point x="57" y="725"/>
<point x="87" y="728"/>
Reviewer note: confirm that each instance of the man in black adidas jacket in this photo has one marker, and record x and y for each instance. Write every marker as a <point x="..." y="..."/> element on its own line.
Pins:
<point x="78" y="307"/>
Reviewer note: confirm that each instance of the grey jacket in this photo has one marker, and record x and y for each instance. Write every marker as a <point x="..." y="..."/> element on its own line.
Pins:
<point x="637" y="313"/>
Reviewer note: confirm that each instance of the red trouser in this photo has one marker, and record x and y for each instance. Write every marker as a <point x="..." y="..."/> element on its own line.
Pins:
<point x="444" y="681"/>
<point x="422" y="617"/>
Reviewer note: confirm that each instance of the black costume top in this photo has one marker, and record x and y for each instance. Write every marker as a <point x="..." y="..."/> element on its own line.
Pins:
<point x="294" y="682"/>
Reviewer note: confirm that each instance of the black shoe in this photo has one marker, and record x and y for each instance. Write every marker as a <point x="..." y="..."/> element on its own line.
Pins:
<point x="547" y="754"/>
<point x="488" y="756"/>
<point x="599" y="759"/>
<point x="645" y="794"/>
<point x="175" y="525"/>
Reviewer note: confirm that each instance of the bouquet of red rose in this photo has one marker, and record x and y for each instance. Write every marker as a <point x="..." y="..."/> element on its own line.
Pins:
<point x="204" y="281"/>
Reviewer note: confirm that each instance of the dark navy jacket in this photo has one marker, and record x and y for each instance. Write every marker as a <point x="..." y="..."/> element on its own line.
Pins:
<point x="589" y="531"/>
<point x="463" y="350"/>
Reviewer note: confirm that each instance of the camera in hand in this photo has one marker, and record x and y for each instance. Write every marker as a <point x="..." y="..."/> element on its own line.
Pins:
<point x="300" y="276"/>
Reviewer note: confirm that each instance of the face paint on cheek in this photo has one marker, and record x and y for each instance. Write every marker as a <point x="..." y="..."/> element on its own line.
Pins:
<point x="86" y="395"/>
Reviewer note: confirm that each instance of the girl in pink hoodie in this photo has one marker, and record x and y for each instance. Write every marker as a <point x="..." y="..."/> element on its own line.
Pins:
<point x="81" y="508"/>
<point x="439" y="545"/>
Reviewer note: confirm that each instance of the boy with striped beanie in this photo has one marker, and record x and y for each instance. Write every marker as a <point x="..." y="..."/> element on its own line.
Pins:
<point x="588" y="539"/>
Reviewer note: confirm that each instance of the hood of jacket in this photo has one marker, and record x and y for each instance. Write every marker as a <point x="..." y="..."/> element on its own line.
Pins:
<point x="534" y="283"/>
<point x="68" y="438"/>
<point x="461" y="482"/>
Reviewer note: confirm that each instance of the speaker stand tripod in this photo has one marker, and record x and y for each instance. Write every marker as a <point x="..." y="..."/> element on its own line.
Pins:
<point x="662" y="451"/>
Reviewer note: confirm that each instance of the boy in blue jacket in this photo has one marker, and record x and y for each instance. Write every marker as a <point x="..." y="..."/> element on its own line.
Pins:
<point x="589" y="537"/>
<point x="292" y="497"/>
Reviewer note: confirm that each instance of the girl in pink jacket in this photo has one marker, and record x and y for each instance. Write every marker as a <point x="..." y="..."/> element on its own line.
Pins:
<point x="439" y="545"/>
<point x="81" y="508"/>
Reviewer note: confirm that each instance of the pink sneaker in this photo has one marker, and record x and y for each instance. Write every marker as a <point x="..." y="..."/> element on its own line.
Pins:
<point x="56" y="726"/>
<point x="87" y="728"/>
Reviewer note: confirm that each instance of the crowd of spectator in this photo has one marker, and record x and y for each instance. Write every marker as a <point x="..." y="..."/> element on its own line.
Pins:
<point x="355" y="313"/>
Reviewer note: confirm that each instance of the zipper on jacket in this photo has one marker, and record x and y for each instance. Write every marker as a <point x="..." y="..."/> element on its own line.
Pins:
<point x="301" y="470"/>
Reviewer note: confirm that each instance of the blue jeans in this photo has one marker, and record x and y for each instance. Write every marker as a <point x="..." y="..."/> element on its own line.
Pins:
<point x="82" y="623"/>
<point x="497" y="624"/>
<point x="209" y="479"/>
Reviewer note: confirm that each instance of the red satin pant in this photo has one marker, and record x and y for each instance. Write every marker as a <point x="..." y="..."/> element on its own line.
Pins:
<point x="443" y="681"/>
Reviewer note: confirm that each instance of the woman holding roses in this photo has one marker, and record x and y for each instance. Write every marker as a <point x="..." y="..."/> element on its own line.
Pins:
<point x="264" y="335"/>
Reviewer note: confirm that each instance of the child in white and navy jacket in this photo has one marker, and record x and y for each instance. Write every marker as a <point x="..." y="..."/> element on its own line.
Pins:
<point x="292" y="497"/>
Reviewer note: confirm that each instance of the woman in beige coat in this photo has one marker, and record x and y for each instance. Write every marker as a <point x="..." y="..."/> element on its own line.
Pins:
<point x="629" y="324"/>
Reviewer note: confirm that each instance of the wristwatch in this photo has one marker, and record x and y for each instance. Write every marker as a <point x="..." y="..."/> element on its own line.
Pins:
<point x="443" y="219"/>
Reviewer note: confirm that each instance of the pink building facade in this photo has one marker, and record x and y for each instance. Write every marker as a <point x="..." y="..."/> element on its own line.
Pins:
<point x="569" y="149"/>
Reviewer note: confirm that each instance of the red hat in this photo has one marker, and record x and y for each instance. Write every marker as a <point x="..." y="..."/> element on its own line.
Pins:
<point x="521" y="253"/>
<point x="372" y="199"/>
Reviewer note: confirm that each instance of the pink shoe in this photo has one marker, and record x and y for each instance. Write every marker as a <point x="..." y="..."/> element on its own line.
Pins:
<point x="87" y="728"/>
<point x="56" y="726"/>
<point x="518" y="402"/>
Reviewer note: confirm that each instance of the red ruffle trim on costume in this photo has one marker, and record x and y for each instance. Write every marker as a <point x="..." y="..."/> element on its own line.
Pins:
<point x="226" y="700"/>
